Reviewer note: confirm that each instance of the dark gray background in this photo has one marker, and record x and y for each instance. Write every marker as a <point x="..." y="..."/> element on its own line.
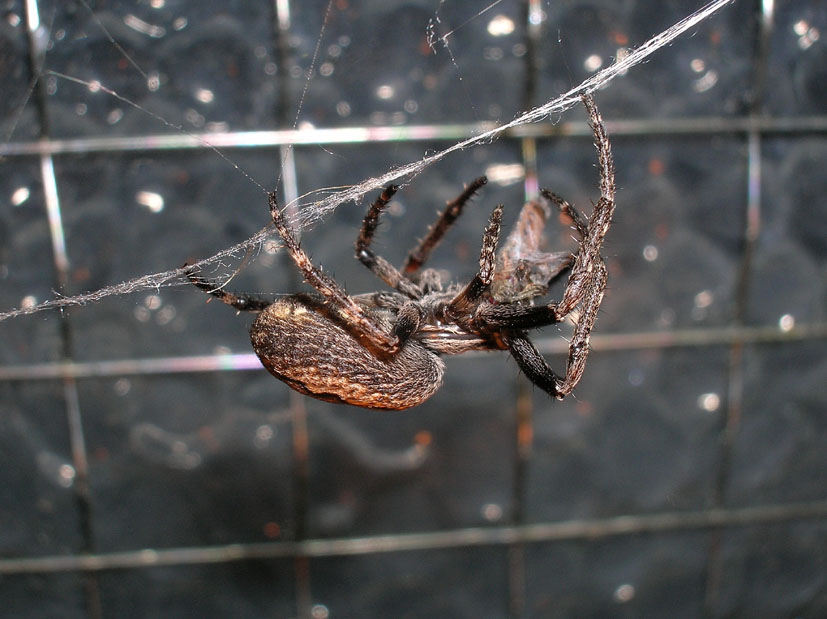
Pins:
<point x="700" y="419"/>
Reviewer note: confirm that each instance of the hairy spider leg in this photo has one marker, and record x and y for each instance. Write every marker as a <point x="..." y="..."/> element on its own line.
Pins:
<point x="530" y="360"/>
<point x="532" y="363"/>
<point x="420" y="254"/>
<point x="580" y="223"/>
<point x="463" y="302"/>
<point x="588" y="263"/>
<point x="362" y="322"/>
<point x="380" y="267"/>
<point x="584" y="272"/>
<point x="241" y="302"/>
<point x="586" y="284"/>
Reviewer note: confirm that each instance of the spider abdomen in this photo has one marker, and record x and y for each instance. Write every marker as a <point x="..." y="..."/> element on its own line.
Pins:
<point x="301" y="343"/>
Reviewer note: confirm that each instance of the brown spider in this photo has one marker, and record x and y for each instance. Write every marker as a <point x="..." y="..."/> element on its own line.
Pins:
<point x="382" y="350"/>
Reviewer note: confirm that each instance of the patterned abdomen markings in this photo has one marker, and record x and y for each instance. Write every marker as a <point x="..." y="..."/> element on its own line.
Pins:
<point x="301" y="343"/>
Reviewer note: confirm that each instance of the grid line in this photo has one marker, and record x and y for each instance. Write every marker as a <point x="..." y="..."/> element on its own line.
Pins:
<point x="589" y="529"/>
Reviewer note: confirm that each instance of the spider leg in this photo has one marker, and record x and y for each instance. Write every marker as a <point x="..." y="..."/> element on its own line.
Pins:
<point x="419" y="255"/>
<point x="588" y="271"/>
<point x="588" y="260"/>
<point x="466" y="298"/>
<point x="242" y="302"/>
<point x="586" y="284"/>
<point x="383" y="269"/>
<point x="364" y="323"/>
<point x="575" y="290"/>
<point x="580" y="223"/>
<point x="531" y="361"/>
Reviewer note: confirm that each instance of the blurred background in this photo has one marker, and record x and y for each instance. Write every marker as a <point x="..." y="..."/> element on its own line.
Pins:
<point x="150" y="467"/>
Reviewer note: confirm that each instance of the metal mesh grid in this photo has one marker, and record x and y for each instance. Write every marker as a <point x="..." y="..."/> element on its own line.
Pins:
<point x="144" y="473"/>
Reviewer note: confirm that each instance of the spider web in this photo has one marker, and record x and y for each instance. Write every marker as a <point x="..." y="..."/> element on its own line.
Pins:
<point x="314" y="211"/>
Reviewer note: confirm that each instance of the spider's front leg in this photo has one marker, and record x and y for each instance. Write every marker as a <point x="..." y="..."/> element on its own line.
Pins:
<point x="463" y="303"/>
<point x="585" y="288"/>
<point x="534" y="365"/>
<point x="362" y="322"/>
<point x="585" y="272"/>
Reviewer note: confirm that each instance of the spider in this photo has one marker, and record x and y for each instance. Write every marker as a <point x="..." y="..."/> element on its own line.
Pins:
<point x="383" y="350"/>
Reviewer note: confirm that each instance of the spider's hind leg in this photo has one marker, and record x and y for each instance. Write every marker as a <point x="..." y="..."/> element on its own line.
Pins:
<point x="363" y="322"/>
<point x="242" y="302"/>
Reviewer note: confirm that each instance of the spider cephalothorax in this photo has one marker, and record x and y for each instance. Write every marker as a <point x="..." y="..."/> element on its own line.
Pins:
<point x="382" y="350"/>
